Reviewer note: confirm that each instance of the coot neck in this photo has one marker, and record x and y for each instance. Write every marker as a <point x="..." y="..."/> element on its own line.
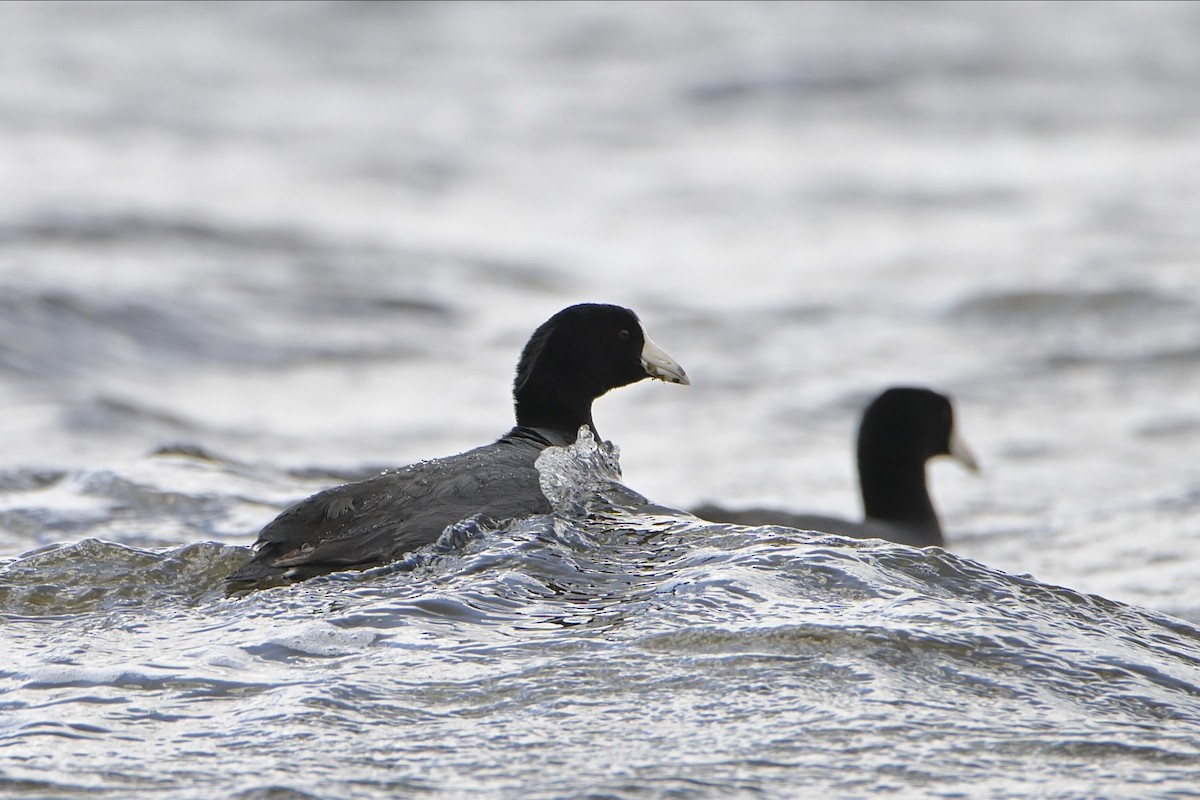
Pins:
<point x="894" y="490"/>
<point x="544" y="403"/>
<point x="540" y="438"/>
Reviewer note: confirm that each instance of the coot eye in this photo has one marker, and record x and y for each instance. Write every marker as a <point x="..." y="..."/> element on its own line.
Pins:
<point x="624" y="335"/>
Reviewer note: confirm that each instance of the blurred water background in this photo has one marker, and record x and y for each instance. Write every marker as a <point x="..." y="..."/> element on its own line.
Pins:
<point x="250" y="250"/>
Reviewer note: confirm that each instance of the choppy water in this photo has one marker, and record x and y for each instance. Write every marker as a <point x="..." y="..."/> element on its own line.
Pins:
<point x="600" y="651"/>
<point x="249" y="251"/>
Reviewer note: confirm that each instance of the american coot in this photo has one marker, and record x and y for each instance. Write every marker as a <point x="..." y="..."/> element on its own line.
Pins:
<point x="901" y="430"/>
<point x="576" y="356"/>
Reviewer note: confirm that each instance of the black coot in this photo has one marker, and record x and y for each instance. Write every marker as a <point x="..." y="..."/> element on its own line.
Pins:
<point x="901" y="430"/>
<point x="576" y="356"/>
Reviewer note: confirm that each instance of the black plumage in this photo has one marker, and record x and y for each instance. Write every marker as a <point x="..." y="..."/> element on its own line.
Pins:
<point x="900" y="431"/>
<point x="576" y="356"/>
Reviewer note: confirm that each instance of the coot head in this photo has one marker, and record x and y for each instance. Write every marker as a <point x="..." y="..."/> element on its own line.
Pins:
<point x="918" y="423"/>
<point x="579" y="354"/>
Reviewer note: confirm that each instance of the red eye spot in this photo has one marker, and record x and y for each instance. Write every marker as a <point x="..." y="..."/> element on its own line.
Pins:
<point x="623" y="335"/>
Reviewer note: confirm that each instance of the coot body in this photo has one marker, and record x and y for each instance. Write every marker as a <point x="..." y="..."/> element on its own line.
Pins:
<point x="901" y="430"/>
<point x="576" y="356"/>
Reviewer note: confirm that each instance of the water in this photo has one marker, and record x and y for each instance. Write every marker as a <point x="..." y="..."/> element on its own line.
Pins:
<point x="601" y="651"/>
<point x="248" y="252"/>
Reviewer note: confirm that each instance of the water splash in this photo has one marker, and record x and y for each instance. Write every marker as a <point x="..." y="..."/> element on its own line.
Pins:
<point x="584" y="479"/>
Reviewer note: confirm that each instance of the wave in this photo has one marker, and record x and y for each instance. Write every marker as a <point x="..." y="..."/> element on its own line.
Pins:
<point x="612" y="620"/>
<point x="1065" y="307"/>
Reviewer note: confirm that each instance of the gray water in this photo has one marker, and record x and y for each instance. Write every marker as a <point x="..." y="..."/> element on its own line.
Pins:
<point x="249" y="251"/>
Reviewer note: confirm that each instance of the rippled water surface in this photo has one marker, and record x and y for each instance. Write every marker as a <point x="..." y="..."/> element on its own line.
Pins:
<point x="600" y="651"/>
<point x="249" y="251"/>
